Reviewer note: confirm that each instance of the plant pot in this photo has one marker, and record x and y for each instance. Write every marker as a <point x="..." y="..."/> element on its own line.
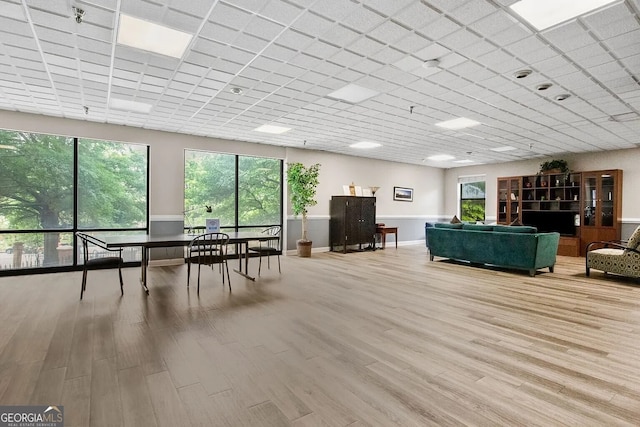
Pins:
<point x="304" y="248"/>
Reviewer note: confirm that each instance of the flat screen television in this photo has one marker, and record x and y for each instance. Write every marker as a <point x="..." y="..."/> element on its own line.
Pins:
<point x="546" y="221"/>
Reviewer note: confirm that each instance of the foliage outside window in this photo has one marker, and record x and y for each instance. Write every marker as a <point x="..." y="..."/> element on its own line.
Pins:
<point x="43" y="202"/>
<point x="242" y="191"/>
<point x="472" y="201"/>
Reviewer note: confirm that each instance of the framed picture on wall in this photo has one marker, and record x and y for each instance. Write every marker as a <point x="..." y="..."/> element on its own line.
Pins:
<point x="403" y="194"/>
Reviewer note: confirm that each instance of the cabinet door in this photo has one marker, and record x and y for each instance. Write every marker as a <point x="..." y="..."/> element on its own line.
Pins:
<point x="503" y="187"/>
<point x="368" y="220"/>
<point x="599" y="201"/>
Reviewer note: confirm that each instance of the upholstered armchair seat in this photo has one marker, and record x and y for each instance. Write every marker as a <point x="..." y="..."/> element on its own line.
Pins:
<point x="621" y="258"/>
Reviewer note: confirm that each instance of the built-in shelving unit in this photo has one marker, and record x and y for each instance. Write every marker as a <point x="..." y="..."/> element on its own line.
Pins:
<point x="581" y="206"/>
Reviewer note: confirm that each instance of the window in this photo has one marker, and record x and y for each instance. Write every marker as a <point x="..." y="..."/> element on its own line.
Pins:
<point x="52" y="186"/>
<point x="242" y="191"/>
<point x="472" y="199"/>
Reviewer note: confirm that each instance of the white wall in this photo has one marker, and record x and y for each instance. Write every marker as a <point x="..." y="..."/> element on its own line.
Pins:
<point x="337" y="170"/>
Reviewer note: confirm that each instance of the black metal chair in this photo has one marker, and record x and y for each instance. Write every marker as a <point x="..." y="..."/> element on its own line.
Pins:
<point x="98" y="259"/>
<point x="208" y="249"/>
<point x="268" y="247"/>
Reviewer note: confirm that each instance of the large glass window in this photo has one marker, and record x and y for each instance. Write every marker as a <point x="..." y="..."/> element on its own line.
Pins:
<point x="52" y="186"/>
<point x="241" y="191"/>
<point x="472" y="201"/>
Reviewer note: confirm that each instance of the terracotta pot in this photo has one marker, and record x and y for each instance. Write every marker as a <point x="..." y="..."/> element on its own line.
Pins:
<point x="304" y="248"/>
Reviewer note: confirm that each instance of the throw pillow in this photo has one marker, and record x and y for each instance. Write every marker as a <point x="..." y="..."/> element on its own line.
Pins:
<point x="634" y="240"/>
<point x="455" y="220"/>
<point x="516" y="222"/>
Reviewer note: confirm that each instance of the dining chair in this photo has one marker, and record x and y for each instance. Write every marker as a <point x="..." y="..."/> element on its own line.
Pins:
<point x="101" y="257"/>
<point x="268" y="247"/>
<point x="208" y="249"/>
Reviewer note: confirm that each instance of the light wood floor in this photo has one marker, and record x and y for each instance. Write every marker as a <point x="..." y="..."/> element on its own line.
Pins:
<point x="378" y="338"/>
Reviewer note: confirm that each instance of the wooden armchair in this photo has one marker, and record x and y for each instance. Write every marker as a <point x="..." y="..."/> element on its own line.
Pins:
<point x="618" y="257"/>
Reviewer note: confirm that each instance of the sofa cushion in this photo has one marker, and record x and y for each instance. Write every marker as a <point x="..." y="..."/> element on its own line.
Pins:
<point x="515" y="229"/>
<point x="448" y="225"/>
<point x="477" y="227"/>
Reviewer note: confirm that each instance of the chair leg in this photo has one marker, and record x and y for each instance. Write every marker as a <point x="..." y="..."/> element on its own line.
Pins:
<point x="260" y="263"/>
<point x="121" y="282"/>
<point x="199" y="278"/>
<point x="83" y="285"/>
<point x="279" y="270"/>
<point x="226" y="265"/>
<point x="188" y="272"/>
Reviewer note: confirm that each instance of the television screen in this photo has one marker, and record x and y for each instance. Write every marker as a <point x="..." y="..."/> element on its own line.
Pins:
<point x="546" y="221"/>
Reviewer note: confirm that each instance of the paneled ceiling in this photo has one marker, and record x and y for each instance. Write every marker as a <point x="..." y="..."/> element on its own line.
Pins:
<point x="287" y="56"/>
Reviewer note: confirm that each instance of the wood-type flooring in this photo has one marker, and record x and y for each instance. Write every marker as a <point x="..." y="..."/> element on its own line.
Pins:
<point x="377" y="338"/>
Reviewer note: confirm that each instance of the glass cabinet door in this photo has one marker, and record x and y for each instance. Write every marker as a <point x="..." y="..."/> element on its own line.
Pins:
<point x="598" y="200"/>
<point x="589" y="200"/>
<point x="606" y="199"/>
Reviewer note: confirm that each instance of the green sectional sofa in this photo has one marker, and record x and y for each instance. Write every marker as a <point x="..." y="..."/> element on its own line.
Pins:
<point x="516" y="247"/>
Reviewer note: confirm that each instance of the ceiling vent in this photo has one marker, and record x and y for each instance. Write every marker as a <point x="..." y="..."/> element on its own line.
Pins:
<point x="521" y="74"/>
<point x="544" y="86"/>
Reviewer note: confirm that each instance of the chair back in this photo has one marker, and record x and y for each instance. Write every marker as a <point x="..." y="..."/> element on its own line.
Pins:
<point x="273" y="231"/>
<point x="87" y="240"/>
<point x="208" y="248"/>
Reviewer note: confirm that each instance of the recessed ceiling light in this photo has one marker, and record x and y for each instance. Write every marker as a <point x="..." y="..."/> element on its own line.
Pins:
<point x="152" y="37"/>
<point x="459" y="123"/>
<point x="505" y="148"/>
<point x="547" y="13"/>
<point x="463" y="161"/>
<point x="124" y="105"/>
<point x="365" y="144"/>
<point x="236" y="90"/>
<point x="272" y="129"/>
<point x="521" y="74"/>
<point x="353" y="93"/>
<point x="562" y="97"/>
<point x="440" y="157"/>
<point x="431" y="63"/>
<point x="544" y="86"/>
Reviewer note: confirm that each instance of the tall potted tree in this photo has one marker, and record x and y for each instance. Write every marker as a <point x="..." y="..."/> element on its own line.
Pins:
<point x="303" y="182"/>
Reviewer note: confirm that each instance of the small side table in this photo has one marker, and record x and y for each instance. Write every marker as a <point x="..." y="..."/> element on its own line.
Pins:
<point x="383" y="231"/>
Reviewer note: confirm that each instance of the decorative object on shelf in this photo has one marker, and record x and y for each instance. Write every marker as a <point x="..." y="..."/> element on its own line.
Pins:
<point x="374" y="189"/>
<point x="352" y="189"/>
<point x="303" y="183"/>
<point x="554" y="166"/>
<point x="403" y="194"/>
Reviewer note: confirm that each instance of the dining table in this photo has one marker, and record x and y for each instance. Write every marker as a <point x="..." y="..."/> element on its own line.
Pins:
<point x="147" y="241"/>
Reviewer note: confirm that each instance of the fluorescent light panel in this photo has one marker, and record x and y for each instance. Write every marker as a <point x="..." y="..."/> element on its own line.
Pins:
<point x="272" y="129"/>
<point x="365" y="144"/>
<point x="543" y="14"/>
<point x="502" y="149"/>
<point x="353" y="93"/>
<point x="440" y="157"/>
<point x="124" y="105"/>
<point x="152" y="37"/>
<point x="459" y="123"/>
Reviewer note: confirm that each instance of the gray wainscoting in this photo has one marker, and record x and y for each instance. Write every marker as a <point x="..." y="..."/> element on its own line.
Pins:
<point x="410" y="230"/>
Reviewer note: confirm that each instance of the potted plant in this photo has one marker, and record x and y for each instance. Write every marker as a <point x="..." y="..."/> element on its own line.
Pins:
<point x="554" y="166"/>
<point x="303" y="182"/>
